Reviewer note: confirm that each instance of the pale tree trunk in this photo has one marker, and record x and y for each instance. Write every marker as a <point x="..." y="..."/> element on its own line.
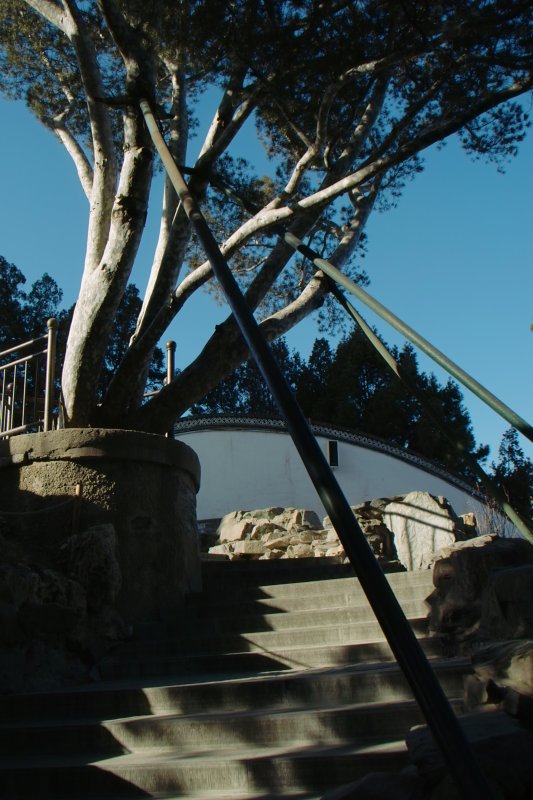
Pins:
<point x="115" y="230"/>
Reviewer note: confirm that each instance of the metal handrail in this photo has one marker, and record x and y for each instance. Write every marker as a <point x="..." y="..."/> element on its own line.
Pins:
<point x="469" y="778"/>
<point x="415" y="338"/>
<point x="20" y="396"/>
<point x="490" y="486"/>
<point x="22" y="345"/>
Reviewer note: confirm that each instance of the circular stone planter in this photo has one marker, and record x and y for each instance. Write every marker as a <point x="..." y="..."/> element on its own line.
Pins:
<point x="144" y="484"/>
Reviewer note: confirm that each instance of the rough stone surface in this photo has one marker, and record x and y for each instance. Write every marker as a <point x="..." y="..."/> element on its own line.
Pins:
<point x="145" y="485"/>
<point x="235" y="531"/>
<point x="405" y="785"/>
<point x="507" y="604"/>
<point x="421" y="526"/>
<point x="269" y="533"/>
<point x="298" y="517"/>
<point x="463" y="577"/>
<point x="501" y="746"/>
<point x="76" y="571"/>
<point x="300" y="551"/>
<point x="50" y="633"/>
<point x="264" y="528"/>
<point x="92" y="560"/>
<point x="248" y="548"/>
<point x="285" y="528"/>
<point x="506" y="664"/>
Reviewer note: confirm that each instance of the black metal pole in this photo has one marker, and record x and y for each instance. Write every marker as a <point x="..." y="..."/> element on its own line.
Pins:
<point x="425" y="686"/>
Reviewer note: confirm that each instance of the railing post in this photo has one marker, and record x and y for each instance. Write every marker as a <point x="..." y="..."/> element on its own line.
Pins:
<point x="171" y="366"/>
<point x="171" y="369"/>
<point x="50" y="373"/>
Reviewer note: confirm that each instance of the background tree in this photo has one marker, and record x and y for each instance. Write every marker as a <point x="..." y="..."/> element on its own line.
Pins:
<point x="23" y="314"/>
<point x="345" y="96"/>
<point x="514" y="473"/>
<point x="245" y="391"/>
<point x="352" y="386"/>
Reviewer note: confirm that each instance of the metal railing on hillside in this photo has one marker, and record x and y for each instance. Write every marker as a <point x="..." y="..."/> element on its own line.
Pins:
<point x="27" y="372"/>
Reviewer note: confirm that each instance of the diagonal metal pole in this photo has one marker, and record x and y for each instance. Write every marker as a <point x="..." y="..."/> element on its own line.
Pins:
<point x="433" y="702"/>
<point x="489" y="485"/>
<point x="382" y="311"/>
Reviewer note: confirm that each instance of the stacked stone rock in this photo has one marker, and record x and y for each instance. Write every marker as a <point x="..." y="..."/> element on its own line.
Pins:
<point x="482" y="606"/>
<point x="276" y="532"/>
<point x="407" y="530"/>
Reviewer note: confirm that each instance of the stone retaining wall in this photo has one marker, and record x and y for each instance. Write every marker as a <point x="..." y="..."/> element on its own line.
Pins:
<point x="144" y="485"/>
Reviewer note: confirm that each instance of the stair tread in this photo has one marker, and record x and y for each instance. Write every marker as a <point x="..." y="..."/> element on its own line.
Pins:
<point x="255" y="721"/>
<point x="167" y="682"/>
<point x="319" y="586"/>
<point x="161" y="757"/>
<point x="209" y="716"/>
<point x="251" y="637"/>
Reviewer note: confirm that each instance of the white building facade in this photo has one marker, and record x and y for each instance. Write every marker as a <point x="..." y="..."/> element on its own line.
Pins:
<point x="252" y="463"/>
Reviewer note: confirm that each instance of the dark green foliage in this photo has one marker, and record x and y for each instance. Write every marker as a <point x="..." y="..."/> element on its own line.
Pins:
<point x="352" y="387"/>
<point x="361" y="392"/>
<point x="514" y="473"/>
<point x="23" y="314"/>
<point x="245" y="391"/>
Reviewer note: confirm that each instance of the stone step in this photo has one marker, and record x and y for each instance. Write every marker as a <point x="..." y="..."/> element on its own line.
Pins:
<point x="293" y="689"/>
<point x="217" y="794"/>
<point x="278" y="571"/>
<point x="191" y="626"/>
<point x="168" y="771"/>
<point x="301" y="693"/>
<point x="233" y="584"/>
<point x="266" y="641"/>
<point x="264" y="600"/>
<point x="256" y="660"/>
<point x="347" y="594"/>
<point x="357" y="723"/>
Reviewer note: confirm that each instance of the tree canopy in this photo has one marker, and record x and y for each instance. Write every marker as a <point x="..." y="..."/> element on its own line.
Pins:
<point x="345" y="97"/>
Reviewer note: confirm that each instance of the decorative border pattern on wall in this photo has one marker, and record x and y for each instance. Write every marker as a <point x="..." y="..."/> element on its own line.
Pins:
<point x="223" y="422"/>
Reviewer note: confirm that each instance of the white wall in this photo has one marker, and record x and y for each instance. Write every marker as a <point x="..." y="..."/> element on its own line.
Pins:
<point x="245" y="469"/>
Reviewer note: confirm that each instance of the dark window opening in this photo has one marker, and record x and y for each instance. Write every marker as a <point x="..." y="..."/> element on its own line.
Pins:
<point x="333" y="454"/>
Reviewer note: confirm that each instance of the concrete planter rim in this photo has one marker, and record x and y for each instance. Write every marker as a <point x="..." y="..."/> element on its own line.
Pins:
<point x="78" y="444"/>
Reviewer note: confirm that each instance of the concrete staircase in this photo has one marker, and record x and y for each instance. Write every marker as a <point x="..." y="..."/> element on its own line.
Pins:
<point x="276" y="682"/>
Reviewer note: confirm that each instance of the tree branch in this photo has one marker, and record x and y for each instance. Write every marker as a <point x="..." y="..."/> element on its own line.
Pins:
<point x="425" y="139"/>
<point x="174" y="230"/>
<point x="51" y="11"/>
<point x="75" y="151"/>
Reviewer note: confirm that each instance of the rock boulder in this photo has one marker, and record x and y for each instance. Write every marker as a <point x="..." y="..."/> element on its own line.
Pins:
<point x="421" y="525"/>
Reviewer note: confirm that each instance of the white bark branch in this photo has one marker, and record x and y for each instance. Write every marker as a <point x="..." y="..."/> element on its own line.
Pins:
<point x="51" y="11"/>
<point x="174" y="229"/>
<point x="104" y="170"/>
<point x="425" y="139"/>
<point x="222" y="132"/>
<point x="81" y="162"/>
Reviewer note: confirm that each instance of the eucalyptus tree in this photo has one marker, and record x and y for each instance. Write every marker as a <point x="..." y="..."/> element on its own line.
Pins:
<point x="345" y="96"/>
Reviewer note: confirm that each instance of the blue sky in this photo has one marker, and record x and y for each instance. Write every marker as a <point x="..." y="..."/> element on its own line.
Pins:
<point x="454" y="260"/>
